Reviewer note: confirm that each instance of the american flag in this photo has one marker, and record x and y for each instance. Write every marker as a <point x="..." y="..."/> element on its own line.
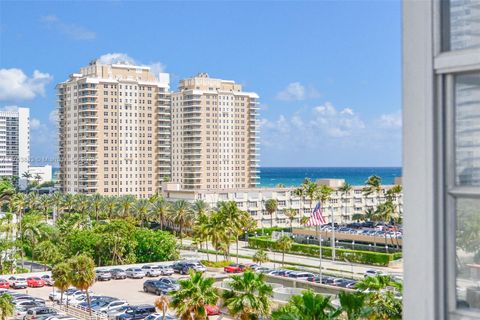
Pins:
<point x="316" y="218"/>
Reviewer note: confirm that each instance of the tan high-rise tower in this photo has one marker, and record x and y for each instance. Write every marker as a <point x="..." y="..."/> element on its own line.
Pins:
<point x="214" y="134"/>
<point x="114" y="124"/>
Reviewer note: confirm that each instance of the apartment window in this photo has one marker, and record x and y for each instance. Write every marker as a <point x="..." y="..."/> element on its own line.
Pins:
<point x="442" y="127"/>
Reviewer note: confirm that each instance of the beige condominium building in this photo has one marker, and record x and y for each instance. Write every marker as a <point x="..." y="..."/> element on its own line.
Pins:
<point x="341" y="206"/>
<point x="214" y="135"/>
<point x="114" y="130"/>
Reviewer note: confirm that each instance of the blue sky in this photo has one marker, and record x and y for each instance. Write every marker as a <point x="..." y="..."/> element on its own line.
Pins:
<point x="328" y="73"/>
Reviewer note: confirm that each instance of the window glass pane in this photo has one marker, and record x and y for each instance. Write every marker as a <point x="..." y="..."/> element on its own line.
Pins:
<point x="461" y="24"/>
<point x="467" y="129"/>
<point x="468" y="253"/>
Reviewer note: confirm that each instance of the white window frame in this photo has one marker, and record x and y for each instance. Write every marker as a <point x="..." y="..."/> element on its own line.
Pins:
<point x="428" y="91"/>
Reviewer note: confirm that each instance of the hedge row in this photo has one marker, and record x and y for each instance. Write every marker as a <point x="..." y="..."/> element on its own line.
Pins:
<point x="357" y="256"/>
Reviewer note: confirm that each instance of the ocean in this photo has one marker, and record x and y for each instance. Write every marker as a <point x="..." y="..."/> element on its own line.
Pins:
<point x="289" y="176"/>
<point x="293" y="176"/>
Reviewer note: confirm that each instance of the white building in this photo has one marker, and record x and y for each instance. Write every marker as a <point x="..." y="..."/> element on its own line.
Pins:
<point x="43" y="173"/>
<point x="15" y="143"/>
<point x="342" y="206"/>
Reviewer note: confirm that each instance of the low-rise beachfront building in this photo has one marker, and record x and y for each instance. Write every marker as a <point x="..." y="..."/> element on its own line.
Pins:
<point x="343" y="206"/>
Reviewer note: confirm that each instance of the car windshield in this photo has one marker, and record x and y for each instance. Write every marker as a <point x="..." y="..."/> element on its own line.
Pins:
<point x="137" y="270"/>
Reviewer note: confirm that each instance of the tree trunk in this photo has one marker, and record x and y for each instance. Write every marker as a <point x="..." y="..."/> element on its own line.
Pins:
<point x="206" y="246"/>
<point x="89" y="303"/>
<point x="181" y="239"/>
<point x="237" y="248"/>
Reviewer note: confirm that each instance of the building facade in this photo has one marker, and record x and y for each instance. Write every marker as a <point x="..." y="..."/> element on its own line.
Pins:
<point x="214" y="135"/>
<point x="15" y="144"/>
<point x="341" y="206"/>
<point x="114" y="130"/>
<point x="41" y="174"/>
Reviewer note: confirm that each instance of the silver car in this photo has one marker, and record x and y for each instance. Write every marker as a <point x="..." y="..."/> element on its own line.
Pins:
<point x="118" y="273"/>
<point x="152" y="271"/>
<point x="166" y="270"/>
<point x="135" y="273"/>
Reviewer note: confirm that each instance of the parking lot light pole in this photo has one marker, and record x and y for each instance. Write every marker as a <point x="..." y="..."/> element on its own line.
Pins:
<point x="333" y="233"/>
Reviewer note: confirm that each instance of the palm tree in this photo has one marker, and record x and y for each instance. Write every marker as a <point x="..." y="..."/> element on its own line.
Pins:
<point x="385" y="213"/>
<point x="291" y="213"/>
<point x="142" y="208"/>
<point x="57" y="202"/>
<point x="181" y="215"/>
<point x="284" y="244"/>
<point x="159" y="210"/>
<point x="126" y="203"/>
<point x="345" y="190"/>
<point x="260" y="257"/>
<point x="82" y="275"/>
<point x="61" y="275"/>
<point x="161" y="303"/>
<point x="250" y="297"/>
<point x="381" y="296"/>
<point x="45" y="202"/>
<point x="96" y="202"/>
<point x="37" y="179"/>
<point x="68" y="202"/>
<point x="27" y="175"/>
<point x="110" y="204"/>
<point x="194" y="294"/>
<point x="217" y="233"/>
<point x="236" y="221"/>
<point x="32" y="231"/>
<point x="271" y="205"/>
<point x="308" y="189"/>
<point x="307" y="306"/>
<point x="7" y="309"/>
<point x="353" y="305"/>
<point x="7" y="189"/>
<point x="200" y="208"/>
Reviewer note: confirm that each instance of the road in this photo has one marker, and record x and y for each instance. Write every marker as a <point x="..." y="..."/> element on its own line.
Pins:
<point x="313" y="262"/>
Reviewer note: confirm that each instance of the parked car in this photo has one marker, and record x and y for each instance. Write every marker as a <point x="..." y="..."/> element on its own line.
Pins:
<point x="103" y="275"/>
<point x="196" y="266"/>
<point x="28" y="303"/>
<point x="234" y="268"/>
<point x="159" y="316"/>
<point x="98" y="302"/>
<point x="112" y="314"/>
<point x="178" y="266"/>
<point x="300" y="275"/>
<point x="17" y="282"/>
<point x="61" y="317"/>
<point x="171" y="282"/>
<point x="157" y="287"/>
<point x="4" y="284"/>
<point x="212" y="310"/>
<point x="112" y="305"/>
<point x="166" y="270"/>
<point x="118" y="273"/>
<point x="263" y="270"/>
<point x="151" y="271"/>
<point x="38" y="312"/>
<point x="137" y="312"/>
<point x="48" y="280"/>
<point x="35" y="282"/>
<point x="135" y="273"/>
<point x="372" y="273"/>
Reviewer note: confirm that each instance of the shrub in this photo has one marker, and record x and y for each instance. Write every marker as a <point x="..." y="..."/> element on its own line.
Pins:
<point x="357" y="256"/>
<point x="216" y="264"/>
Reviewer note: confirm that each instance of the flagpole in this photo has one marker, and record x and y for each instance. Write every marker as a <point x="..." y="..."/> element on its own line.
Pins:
<point x="319" y="236"/>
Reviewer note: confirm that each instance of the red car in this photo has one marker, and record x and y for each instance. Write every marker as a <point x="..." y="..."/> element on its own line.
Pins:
<point x="35" y="282"/>
<point x="4" y="284"/>
<point x="212" y="310"/>
<point x="235" y="268"/>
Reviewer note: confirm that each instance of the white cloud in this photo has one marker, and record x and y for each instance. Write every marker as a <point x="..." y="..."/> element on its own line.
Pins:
<point x="123" y="58"/>
<point x="72" y="31"/>
<point x="296" y="91"/>
<point x="16" y="85"/>
<point x="390" y="120"/>
<point x="336" y="123"/>
<point x="9" y="108"/>
<point x="35" y="123"/>
<point x="53" y="117"/>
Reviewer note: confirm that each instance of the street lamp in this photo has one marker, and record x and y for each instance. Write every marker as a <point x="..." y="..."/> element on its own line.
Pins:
<point x="353" y="244"/>
<point x="333" y="233"/>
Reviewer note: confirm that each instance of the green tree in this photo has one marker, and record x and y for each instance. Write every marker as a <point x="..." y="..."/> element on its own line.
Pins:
<point x="154" y="246"/>
<point x="45" y="202"/>
<point x="82" y="275"/>
<point x="345" y="191"/>
<point x="353" y="305"/>
<point x="125" y="204"/>
<point x="250" y="297"/>
<point x="291" y="213"/>
<point x="48" y="253"/>
<point x="381" y="297"/>
<point x="142" y="209"/>
<point x="61" y="275"/>
<point x="96" y="202"/>
<point x="260" y="257"/>
<point x="307" y="306"/>
<point x="181" y="215"/>
<point x="33" y="231"/>
<point x="194" y="294"/>
<point x="110" y="204"/>
<point x="271" y="206"/>
<point x="7" y="309"/>
<point x="159" y="211"/>
<point x="284" y="244"/>
<point x="7" y="189"/>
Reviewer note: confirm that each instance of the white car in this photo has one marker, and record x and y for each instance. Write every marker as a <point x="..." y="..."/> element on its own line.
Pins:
<point x="373" y="273"/>
<point x="17" y="282"/>
<point x="300" y="275"/>
<point x="152" y="271"/>
<point x="159" y="316"/>
<point x="112" y="314"/>
<point x="114" y="305"/>
<point x="166" y="270"/>
<point x="61" y="317"/>
<point x="135" y="273"/>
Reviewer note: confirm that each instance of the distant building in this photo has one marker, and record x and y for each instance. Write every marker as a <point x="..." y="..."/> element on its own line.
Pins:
<point x="15" y="144"/>
<point x="114" y="130"/>
<point x="342" y="206"/>
<point x="43" y="173"/>
<point x="214" y="135"/>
